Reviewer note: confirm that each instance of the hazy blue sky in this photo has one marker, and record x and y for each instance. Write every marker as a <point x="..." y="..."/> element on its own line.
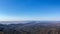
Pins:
<point x="29" y="10"/>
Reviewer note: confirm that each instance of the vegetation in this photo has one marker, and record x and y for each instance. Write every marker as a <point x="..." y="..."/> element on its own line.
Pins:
<point x="30" y="28"/>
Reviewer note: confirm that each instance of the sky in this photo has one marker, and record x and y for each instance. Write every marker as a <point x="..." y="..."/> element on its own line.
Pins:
<point x="17" y="10"/>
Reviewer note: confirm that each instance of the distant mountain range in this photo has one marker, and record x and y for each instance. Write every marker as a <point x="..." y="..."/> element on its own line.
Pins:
<point x="28" y="25"/>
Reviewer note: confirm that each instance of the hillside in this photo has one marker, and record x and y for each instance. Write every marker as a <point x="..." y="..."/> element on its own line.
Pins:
<point x="30" y="27"/>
